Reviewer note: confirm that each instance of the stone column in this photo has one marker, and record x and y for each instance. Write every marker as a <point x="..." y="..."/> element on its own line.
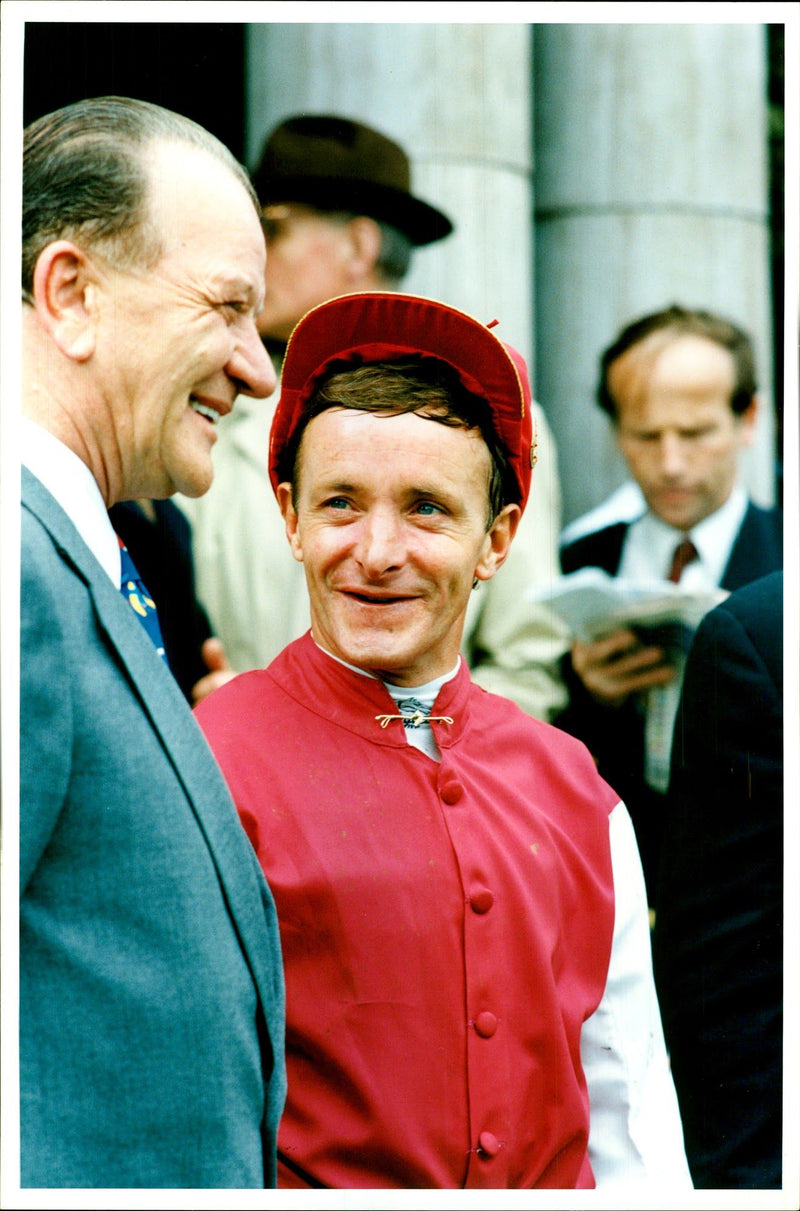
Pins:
<point x="457" y="98"/>
<point x="651" y="188"/>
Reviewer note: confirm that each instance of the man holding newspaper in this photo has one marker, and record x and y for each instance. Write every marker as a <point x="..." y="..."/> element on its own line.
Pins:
<point x="680" y="388"/>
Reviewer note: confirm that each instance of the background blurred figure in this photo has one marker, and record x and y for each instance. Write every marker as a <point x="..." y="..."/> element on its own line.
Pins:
<point x="159" y="539"/>
<point x="718" y="939"/>
<point x="625" y="503"/>
<point x="340" y="217"/>
<point x="680" y="387"/>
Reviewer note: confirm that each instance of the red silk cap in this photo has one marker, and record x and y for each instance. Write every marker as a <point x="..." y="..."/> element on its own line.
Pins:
<point x="376" y="327"/>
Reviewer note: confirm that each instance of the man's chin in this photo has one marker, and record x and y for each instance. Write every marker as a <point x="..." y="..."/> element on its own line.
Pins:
<point x="377" y="659"/>
<point x="193" y="483"/>
<point x="682" y="515"/>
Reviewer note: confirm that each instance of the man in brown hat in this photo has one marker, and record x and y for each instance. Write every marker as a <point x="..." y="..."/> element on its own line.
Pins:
<point x="341" y="218"/>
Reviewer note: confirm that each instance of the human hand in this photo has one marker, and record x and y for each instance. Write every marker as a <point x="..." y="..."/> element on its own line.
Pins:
<point x="619" y="665"/>
<point x="220" y="671"/>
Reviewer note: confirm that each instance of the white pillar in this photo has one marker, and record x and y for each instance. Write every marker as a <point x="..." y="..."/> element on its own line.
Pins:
<point x="651" y="188"/>
<point x="457" y="98"/>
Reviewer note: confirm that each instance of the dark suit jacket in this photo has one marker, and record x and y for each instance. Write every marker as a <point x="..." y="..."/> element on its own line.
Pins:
<point x="162" y="552"/>
<point x="615" y="737"/>
<point x="718" y="933"/>
<point x="758" y="548"/>
<point x="151" y="991"/>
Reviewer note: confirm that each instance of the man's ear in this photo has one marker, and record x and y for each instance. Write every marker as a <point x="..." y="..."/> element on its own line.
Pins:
<point x="498" y="542"/>
<point x="748" y="420"/>
<point x="289" y="514"/>
<point x="364" y="246"/>
<point x="64" y="293"/>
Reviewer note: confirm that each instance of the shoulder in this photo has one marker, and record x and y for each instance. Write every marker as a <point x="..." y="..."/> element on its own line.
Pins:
<point x="758" y="548"/>
<point x="768" y="521"/>
<point x="762" y="598"/>
<point x="49" y="534"/>
<point x="51" y="596"/>
<point x="248" y="696"/>
<point x="174" y="523"/>
<point x="49" y="560"/>
<point x="602" y="549"/>
<point x="537" y="752"/>
<point x="749" y="620"/>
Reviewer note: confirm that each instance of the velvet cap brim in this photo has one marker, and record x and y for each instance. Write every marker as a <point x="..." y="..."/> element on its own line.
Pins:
<point x="371" y="327"/>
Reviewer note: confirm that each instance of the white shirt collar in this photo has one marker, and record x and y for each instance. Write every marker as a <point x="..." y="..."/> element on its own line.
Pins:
<point x="420" y="736"/>
<point x="650" y="543"/>
<point x="70" y="481"/>
<point x="426" y="692"/>
<point x="398" y="692"/>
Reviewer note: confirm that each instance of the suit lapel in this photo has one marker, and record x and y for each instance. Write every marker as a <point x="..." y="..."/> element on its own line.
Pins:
<point x="600" y="550"/>
<point x="180" y="736"/>
<point x="756" y="551"/>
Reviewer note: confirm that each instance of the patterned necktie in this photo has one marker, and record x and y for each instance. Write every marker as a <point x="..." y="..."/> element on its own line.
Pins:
<point x="685" y="553"/>
<point x="135" y="593"/>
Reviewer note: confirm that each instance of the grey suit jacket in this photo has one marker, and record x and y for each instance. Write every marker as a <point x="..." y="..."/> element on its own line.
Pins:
<point x="151" y="988"/>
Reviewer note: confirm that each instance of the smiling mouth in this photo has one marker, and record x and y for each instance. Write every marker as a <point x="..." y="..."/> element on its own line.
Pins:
<point x="366" y="599"/>
<point x="204" y="410"/>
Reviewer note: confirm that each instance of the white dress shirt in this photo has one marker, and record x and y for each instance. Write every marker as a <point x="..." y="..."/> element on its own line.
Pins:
<point x="647" y="554"/>
<point x="626" y="503"/>
<point x="650" y="544"/>
<point x="70" y="481"/>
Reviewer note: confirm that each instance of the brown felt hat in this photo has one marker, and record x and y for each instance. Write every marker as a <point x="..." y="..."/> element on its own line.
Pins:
<point x="333" y="163"/>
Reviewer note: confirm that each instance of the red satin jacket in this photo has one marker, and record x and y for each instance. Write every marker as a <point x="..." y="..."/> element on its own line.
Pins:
<point x="446" y="927"/>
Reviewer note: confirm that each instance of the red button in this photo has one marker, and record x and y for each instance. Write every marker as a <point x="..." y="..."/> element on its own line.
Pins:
<point x="452" y="792"/>
<point x="486" y="1024"/>
<point x="481" y="900"/>
<point x="488" y="1144"/>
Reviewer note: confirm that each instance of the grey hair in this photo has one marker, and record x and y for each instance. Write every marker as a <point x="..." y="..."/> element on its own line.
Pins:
<point x="394" y="258"/>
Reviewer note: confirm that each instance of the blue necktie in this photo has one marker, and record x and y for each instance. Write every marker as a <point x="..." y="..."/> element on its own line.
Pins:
<point x="135" y="593"/>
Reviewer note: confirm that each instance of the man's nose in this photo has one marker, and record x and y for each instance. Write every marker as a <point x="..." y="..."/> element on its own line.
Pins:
<point x="672" y="453"/>
<point x="380" y="543"/>
<point x="251" y="365"/>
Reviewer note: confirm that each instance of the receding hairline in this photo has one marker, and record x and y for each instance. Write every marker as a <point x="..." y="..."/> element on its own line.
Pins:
<point x="150" y="151"/>
<point x="631" y="369"/>
<point x="664" y="327"/>
<point x="107" y="148"/>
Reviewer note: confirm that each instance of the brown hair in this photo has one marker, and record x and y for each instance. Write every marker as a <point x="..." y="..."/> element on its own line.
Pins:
<point x="680" y="321"/>
<point x="425" y="385"/>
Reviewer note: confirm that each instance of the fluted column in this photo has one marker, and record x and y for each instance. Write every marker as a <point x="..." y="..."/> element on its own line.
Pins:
<point x="457" y="97"/>
<point x="651" y="188"/>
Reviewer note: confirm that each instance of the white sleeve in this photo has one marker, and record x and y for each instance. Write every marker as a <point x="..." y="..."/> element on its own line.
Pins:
<point x="635" y="1128"/>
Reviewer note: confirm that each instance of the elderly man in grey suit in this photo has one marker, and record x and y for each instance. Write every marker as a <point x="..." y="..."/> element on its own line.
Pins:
<point x="151" y="993"/>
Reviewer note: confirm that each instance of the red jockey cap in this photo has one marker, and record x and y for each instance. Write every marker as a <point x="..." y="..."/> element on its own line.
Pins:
<point x="375" y="327"/>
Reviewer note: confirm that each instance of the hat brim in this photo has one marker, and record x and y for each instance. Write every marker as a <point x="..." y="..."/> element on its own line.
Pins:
<point x="420" y="222"/>
<point x="374" y="326"/>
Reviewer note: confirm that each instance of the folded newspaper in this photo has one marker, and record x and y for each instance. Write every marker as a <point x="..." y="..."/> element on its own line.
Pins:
<point x="594" y="604"/>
